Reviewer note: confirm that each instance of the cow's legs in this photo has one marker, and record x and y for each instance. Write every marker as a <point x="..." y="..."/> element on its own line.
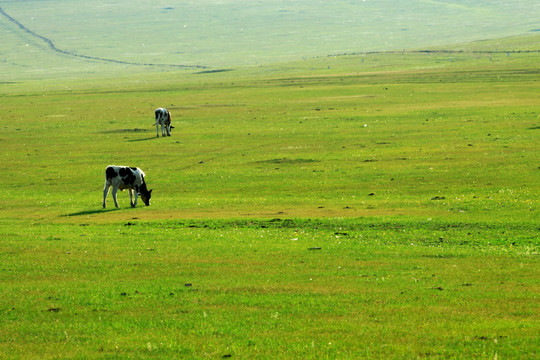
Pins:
<point x="133" y="204"/>
<point x="157" y="124"/>
<point x="114" y="191"/>
<point x="168" y="127"/>
<point x="105" y="192"/>
<point x="136" y="197"/>
<point x="163" y="130"/>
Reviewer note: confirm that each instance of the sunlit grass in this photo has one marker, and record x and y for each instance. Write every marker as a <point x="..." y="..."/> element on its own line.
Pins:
<point x="385" y="207"/>
<point x="270" y="288"/>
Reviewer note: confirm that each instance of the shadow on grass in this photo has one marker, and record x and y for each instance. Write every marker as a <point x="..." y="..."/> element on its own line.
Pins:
<point x="129" y="131"/>
<point x="145" y="139"/>
<point x="89" y="212"/>
<point x="121" y="131"/>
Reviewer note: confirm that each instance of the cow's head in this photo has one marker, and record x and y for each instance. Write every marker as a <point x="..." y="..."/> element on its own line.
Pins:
<point x="145" y="194"/>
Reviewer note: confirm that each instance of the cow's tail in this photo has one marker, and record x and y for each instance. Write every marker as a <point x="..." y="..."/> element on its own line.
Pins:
<point x="157" y="117"/>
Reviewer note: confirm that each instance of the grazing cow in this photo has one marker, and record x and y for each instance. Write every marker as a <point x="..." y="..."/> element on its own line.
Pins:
<point x="125" y="177"/>
<point x="163" y="118"/>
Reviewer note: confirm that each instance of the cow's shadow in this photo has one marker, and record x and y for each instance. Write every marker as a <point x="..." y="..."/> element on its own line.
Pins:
<point x="144" y="139"/>
<point x="89" y="212"/>
<point x="132" y="131"/>
<point x="120" y="131"/>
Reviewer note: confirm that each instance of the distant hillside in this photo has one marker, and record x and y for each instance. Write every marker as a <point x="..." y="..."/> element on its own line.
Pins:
<point x="55" y="38"/>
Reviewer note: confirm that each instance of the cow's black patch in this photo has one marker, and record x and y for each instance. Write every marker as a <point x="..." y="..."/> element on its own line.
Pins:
<point x="110" y="173"/>
<point x="128" y="177"/>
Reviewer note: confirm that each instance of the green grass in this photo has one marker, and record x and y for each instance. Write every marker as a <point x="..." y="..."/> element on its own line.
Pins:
<point x="310" y="141"/>
<point x="369" y="206"/>
<point x="271" y="289"/>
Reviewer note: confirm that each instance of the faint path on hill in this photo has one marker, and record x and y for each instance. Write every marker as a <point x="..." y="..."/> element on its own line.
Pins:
<point x="53" y="47"/>
<point x="50" y="44"/>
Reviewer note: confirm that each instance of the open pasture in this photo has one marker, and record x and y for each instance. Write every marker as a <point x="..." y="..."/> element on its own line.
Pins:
<point x="370" y="206"/>
<point x="127" y="36"/>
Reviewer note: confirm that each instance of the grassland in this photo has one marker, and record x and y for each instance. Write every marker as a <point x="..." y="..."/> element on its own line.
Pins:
<point x="222" y="34"/>
<point x="371" y="206"/>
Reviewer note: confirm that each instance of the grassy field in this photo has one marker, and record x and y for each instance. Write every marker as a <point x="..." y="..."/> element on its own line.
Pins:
<point x="369" y="206"/>
<point x="144" y="35"/>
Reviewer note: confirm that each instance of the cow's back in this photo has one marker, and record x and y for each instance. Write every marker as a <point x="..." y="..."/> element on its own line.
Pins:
<point x="124" y="177"/>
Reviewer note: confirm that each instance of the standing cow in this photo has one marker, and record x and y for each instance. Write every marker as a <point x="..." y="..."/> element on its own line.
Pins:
<point x="125" y="177"/>
<point x="163" y="118"/>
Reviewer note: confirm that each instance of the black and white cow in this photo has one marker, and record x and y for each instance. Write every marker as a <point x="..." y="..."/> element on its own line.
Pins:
<point x="125" y="177"/>
<point x="163" y="118"/>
